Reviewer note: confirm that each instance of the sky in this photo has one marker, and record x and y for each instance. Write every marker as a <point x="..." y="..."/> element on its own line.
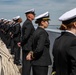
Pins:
<point x="12" y="8"/>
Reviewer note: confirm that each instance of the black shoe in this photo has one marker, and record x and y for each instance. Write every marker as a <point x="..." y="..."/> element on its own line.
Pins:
<point x="19" y="64"/>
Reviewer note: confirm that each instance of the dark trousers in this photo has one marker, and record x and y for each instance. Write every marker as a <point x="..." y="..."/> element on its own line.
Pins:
<point x="26" y="65"/>
<point x="8" y="45"/>
<point x="17" y="55"/>
<point x="40" y="70"/>
<point x="12" y="46"/>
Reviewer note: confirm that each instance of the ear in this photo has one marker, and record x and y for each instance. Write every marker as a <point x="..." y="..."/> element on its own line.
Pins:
<point x="75" y="24"/>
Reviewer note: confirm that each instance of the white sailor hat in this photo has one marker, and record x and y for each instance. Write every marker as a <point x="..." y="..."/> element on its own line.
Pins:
<point x="16" y="18"/>
<point x="69" y="16"/>
<point x="9" y="20"/>
<point x="5" y="19"/>
<point x="44" y="16"/>
<point x="30" y="11"/>
<point x="2" y="18"/>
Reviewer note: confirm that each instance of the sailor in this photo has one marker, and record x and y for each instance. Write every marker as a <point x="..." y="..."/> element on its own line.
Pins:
<point x="3" y="27"/>
<point x="17" y="39"/>
<point x="27" y="31"/>
<point x="7" y="35"/>
<point x="64" y="49"/>
<point x="39" y="54"/>
<point x="12" y="31"/>
<point x="1" y="22"/>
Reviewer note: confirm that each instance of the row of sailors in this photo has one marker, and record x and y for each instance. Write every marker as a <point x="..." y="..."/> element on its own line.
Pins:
<point x="35" y="43"/>
<point x="10" y="33"/>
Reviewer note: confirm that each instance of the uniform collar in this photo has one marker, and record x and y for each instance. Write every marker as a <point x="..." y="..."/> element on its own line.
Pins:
<point x="70" y="32"/>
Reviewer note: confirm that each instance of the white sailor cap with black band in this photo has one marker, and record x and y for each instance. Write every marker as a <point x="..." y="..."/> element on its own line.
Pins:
<point x="16" y="18"/>
<point x="5" y="19"/>
<point x="9" y="20"/>
<point x="44" y="16"/>
<point x="30" y="11"/>
<point x="68" y="17"/>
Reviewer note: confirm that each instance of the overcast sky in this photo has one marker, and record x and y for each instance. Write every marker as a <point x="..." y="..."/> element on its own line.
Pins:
<point x="12" y="8"/>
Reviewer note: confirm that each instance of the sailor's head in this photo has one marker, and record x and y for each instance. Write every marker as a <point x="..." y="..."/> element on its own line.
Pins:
<point x="42" y="19"/>
<point x="17" y="19"/>
<point x="68" y="18"/>
<point x="31" y="11"/>
<point x="30" y="14"/>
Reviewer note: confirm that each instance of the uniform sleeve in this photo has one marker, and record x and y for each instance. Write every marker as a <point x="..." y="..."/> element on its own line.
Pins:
<point x="53" y="51"/>
<point x="40" y="45"/>
<point x="26" y="32"/>
<point x="28" y="46"/>
<point x="72" y="57"/>
<point x="17" y="27"/>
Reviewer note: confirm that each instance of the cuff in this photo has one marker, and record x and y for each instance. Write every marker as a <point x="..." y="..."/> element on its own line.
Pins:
<point x="53" y="73"/>
<point x="32" y="54"/>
